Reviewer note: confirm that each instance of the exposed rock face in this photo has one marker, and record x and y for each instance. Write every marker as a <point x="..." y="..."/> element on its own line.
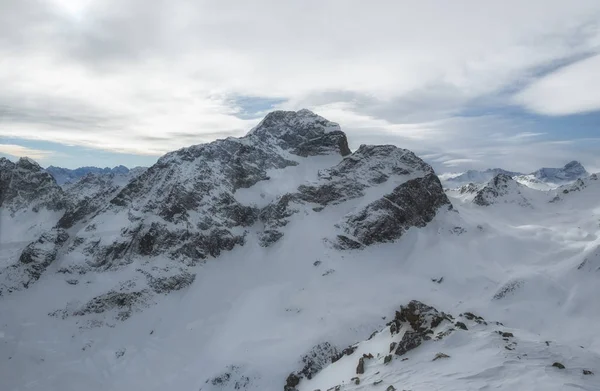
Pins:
<point x="91" y="193"/>
<point x="368" y="166"/>
<point x="25" y="185"/>
<point x="166" y="284"/>
<point x="412" y="204"/>
<point x="469" y="188"/>
<point x="502" y="188"/>
<point x="125" y="302"/>
<point x="122" y="303"/>
<point x="33" y="261"/>
<point x="38" y="255"/>
<point x="314" y="361"/>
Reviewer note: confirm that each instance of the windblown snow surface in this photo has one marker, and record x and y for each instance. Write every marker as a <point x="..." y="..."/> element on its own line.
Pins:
<point x="532" y="270"/>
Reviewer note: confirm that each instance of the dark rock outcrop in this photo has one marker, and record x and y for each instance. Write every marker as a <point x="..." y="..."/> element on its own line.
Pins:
<point x="314" y="361"/>
<point x="38" y="255"/>
<point x="412" y="204"/>
<point x="233" y="378"/>
<point x="123" y="302"/>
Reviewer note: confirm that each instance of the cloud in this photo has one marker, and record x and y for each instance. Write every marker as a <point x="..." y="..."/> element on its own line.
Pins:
<point x="458" y="162"/>
<point x="569" y="90"/>
<point x="461" y="143"/>
<point x="141" y="77"/>
<point x="20" y="151"/>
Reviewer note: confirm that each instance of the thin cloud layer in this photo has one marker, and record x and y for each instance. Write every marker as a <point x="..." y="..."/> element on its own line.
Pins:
<point x="571" y="90"/>
<point x="19" y="151"/>
<point x="146" y="77"/>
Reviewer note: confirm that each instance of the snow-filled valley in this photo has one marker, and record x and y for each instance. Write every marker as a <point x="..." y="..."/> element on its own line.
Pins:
<point x="284" y="261"/>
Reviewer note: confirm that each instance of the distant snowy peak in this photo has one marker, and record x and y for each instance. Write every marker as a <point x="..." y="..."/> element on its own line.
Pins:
<point x="502" y="189"/>
<point x="570" y="172"/>
<point x="65" y="176"/>
<point x="475" y="176"/>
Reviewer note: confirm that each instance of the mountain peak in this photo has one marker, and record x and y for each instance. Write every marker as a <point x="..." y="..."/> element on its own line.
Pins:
<point x="570" y="172"/>
<point x="280" y="122"/>
<point x="574" y="165"/>
<point x="28" y="164"/>
<point x="4" y="162"/>
<point x="301" y="132"/>
<point x="501" y="189"/>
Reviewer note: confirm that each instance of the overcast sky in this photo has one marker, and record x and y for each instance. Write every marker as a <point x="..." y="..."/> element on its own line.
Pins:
<point x="464" y="83"/>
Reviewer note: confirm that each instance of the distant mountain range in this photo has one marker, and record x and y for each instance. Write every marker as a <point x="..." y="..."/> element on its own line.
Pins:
<point x="544" y="176"/>
<point x="65" y="175"/>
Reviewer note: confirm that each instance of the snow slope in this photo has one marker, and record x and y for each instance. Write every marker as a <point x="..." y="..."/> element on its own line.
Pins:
<point x="245" y="317"/>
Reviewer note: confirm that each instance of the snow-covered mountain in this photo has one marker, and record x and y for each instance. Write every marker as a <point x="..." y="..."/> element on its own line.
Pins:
<point x="475" y="176"/>
<point x="542" y="179"/>
<point x="551" y="178"/>
<point x="504" y="189"/>
<point x="570" y="172"/>
<point x="278" y="260"/>
<point x="65" y="176"/>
